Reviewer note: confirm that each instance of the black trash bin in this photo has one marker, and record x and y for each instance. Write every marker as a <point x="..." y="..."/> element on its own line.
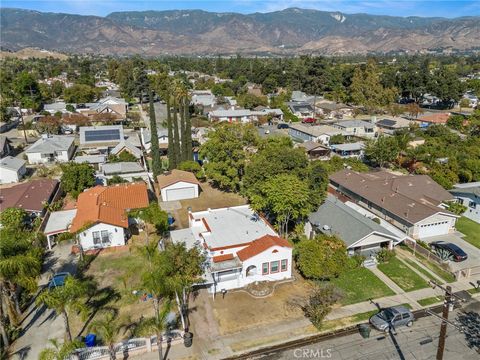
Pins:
<point x="187" y="339"/>
<point x="364" y="330"/>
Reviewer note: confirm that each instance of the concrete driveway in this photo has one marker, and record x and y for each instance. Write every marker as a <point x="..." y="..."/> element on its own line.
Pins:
<point x="40" y="323"/>
<point x="472" y="252"/>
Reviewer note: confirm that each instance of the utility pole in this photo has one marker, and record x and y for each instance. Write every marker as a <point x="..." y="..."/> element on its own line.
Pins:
<point x="443" y="327"/>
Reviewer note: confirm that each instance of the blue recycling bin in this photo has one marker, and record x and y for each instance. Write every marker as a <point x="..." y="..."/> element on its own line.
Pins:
<point x="171" y="220"/>
<point x="90" y="340"/>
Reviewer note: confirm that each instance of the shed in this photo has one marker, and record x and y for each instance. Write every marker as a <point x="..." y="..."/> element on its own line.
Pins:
<point x="178" y="185"/>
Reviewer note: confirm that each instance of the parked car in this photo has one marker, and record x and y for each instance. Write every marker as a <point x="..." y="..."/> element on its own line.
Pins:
<point x="455" y="252"/>
<point x="308" y="120"/>
<point x="283" y="126"/>
<point x="58" y="279"/>
<point x="66" y="130"/>
<point x="394" y="316"/>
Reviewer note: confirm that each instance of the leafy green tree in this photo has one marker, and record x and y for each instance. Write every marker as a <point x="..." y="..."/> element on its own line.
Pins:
<point x="116" y="179"/>
<point x="456" y="208"/>
<point x="224" y="154"/>
<point x="464" y="103"/>
<point x="13" y="218"/>
<point x="155" y="149"/>
<point x="66" y="299"/>
<point x="249" y="101"/>
<point x="323" y="257"/>
<point x="337" y="139"/>
<point x="77" y="177"/>
<point x="60" y="351"/>
<point x="124" y="156"/>
<point x="108" y="328"/>
<point x="27" y="91"/>
<point x="382" y="151"/>
<point x="455" y="122"/>
<point x="286" y="197"/>
<point x="153" y="215"/>
<point x="193" y="167"/>
<point x="446" y="85"/>
<point x="79" y="93"/>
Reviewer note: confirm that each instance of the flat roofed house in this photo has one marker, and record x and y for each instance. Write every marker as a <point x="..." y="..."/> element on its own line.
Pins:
<point x="51" y="148"/>
<point x="108" y="135"/>
<point x="241" y="247"/>
<point x="413" y="203"/>
<point x="178" y="185"/>
<point x="11" y="170"/>
<point x="315" y="133"/>
<point x="349" y="150"/>
<point x="315" y="150"/>
<point x="356" y="128"/>
<point x="361" y="234"/>
<point x="102" y="218"/>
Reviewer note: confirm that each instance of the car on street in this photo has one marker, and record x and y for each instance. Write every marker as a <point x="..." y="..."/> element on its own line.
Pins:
<point x="392" y="317"/>
<point x="282" y="126"/>
<point x="308" y="120"/>
<point x="455" y="252"/>
<point x="58" y="279"/>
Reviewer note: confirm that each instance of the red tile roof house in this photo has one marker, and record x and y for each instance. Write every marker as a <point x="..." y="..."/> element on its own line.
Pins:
<point x="241" y="247"/>
<point x="433" y="119"/>
<point x="413" y="203"/>
<point x="102" y="218"/>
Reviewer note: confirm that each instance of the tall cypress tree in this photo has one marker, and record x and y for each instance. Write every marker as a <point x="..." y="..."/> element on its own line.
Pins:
<point x="182" y="130"/>
<point x="155" y="150"/>
<point x="176" y="137"/>
<point x="188" y="132"/>
<point x="172" y="161"/>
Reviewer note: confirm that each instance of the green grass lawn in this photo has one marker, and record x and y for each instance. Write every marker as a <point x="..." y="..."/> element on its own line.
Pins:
<point x="471" y="229"/>
<point x="402" y="275"/>
<point x="443" y="274"/>
<point x="361" y="284"/>
<point x="430" y="300"/>
<point x="420" y="269"/>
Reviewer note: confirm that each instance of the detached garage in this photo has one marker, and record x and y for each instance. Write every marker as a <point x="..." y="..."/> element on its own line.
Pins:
<point x="178" y="185"/>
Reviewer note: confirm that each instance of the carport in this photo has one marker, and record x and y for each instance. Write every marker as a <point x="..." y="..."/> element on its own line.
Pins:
<point x="58" y="222"/>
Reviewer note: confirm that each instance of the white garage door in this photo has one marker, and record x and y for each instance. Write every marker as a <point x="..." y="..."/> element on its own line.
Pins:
<point x="180" y="194"/>
<point x="434" y="229"/>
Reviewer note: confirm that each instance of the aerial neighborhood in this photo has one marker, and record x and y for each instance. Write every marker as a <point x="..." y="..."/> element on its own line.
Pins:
<point x="213" y="207"/>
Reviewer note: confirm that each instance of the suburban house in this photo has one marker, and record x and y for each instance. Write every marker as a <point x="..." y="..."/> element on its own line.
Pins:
<point x="12" y="170"/>
<point x="31" y="196"/>
<point x="110" y="105"/>
<point x="51" y="148"/>
<point x="5" y="146"/>
<point x="129" y="171"/>
<point x="94" y="160"/>
<point x="127" y="146"/>
<point x="432" y="119"/>
<point x="102" y="218"/>
<point x="300" y="96"/>
<point x="391" y="125"/>
<point x="315" y="133"/>
<point x="241" y="247"/>
<point x="235" y="115"/>
<point x="301" y="109"/>
<point x="178" y="185"/>
<point x="334" y="110"/>
<point x="203" y="98"/>
<point x="413" y="203"/>
<point x="315" y="151"/>
<point x="146" y="139"/>
<point x="59" y="106"/>
<point x="101" y="136"/>
<point x="349" y="150"/>
<point x="356" y="128"/>
<point x="468" y="195"/>
<point x="361" y="235"/>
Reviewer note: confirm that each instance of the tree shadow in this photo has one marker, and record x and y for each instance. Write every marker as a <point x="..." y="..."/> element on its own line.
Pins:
<point x="22" y="353"/>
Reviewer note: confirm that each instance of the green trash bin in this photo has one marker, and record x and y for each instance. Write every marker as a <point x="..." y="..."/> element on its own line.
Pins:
<point x="364" y="330"/>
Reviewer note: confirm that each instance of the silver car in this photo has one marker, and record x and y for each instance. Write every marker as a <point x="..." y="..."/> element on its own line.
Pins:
<point x="392" y="317"/>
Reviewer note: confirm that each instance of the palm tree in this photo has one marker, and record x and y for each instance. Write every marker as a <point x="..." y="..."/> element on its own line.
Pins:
<point x="157" y="324"/>
<point x="20" y="265"/>
<point x="66" y="298"/>
<point x="108" y="328"/>
<point x="59" y="351"/>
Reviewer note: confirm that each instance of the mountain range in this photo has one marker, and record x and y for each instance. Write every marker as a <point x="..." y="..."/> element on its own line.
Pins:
<point x="291" y="31"/>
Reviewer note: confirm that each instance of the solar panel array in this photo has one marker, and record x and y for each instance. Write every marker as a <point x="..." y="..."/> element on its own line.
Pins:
<point x="387" y="122"/>
<point x="102" y="135"/>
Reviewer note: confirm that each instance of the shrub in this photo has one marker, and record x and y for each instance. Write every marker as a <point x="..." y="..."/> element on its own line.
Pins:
<point x="384" y="255"/>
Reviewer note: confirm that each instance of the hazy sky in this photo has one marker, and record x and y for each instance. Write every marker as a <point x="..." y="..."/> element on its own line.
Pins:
<point x="384" y="7"/>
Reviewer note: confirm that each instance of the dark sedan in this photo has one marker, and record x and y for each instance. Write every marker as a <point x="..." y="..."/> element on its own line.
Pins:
<point x="456" y="253"/>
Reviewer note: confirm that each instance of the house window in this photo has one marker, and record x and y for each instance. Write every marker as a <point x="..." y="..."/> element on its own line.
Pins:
<point x="96" y="238"/>
<point x="472" y="204"/>
<point x="264" y="268"/>
<point x="284" y="264"/>
<point x="105" y="237"/>
<point x="274" y="267"/>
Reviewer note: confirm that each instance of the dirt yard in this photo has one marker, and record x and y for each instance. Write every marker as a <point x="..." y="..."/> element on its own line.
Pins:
<point x="240" y="311"/>
<point x="209" y="198"/>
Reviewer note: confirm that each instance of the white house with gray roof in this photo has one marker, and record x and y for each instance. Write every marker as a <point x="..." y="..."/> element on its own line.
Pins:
<point x="357" y="128"/>
<point x="361" y="234"/>
<point x="11" y="170"/>
<point x="468" y="195"/>
<point x="315" y="133"/>
<point x="51" y="148"/>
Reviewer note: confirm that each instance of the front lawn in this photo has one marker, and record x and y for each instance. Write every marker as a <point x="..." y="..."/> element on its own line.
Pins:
<point x="361" y="284"/>
<point x="430" y="300"/>
<point x="420" y="269"/>
<point x="471" y="229"/>
<point x="402" y="275"/>
<point x="443" y="274"/>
